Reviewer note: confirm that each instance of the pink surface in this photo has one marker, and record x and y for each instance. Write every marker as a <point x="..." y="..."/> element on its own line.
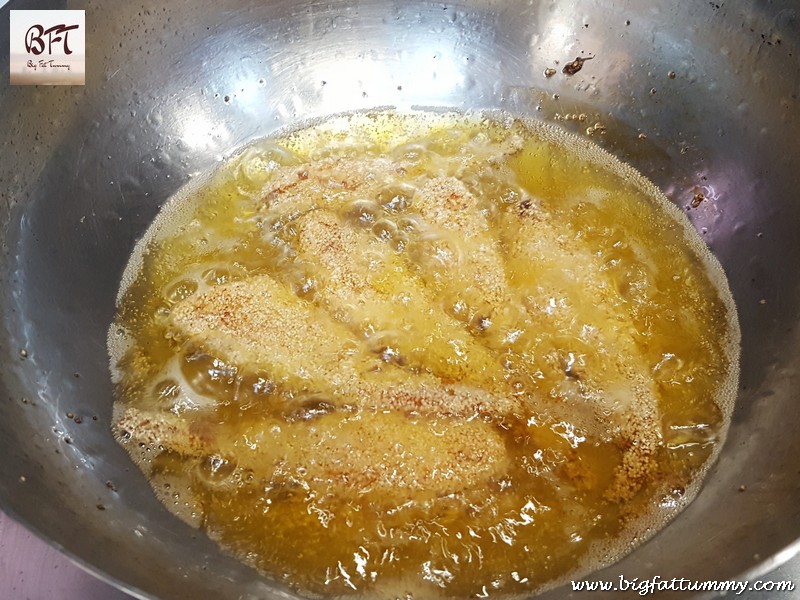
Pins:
<point x="32" y="570"/>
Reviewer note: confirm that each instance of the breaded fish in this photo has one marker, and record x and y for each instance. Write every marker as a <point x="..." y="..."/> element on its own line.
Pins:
<point x="565" y="286"/>
<point x="448" y="206"/>
<point x="368" y="286"/>
<point x="327" y="181"/>
<point x="382" y="455"/>
<point x="259" y="325"/>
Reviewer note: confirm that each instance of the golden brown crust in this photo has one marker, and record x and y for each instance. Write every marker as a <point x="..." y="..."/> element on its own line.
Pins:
<point x="383" y="454"/>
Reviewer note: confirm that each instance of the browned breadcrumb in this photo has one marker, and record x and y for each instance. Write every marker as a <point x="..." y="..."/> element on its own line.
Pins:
<point x="327" y="179"/>
<point x="641" y="437"/>
<point x="629" y="411"/>
<point x="446" y="202"/>
<point x="261" y="325"/>
<point x="386" y="453"/>
<point x="257" y="324"/>
<point x="365" y="284"/>
<point x="335" y="248"/>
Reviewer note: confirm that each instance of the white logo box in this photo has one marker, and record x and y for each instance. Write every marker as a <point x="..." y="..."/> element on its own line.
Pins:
<point x="48" y="47"/>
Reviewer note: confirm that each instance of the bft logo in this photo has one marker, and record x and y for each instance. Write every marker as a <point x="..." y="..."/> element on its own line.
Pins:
<point x="48" y="47"/>
<point x="34" y="39"/>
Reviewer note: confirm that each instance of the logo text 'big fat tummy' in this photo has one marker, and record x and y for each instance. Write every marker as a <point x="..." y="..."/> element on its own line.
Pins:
<point x="48" y="47"/>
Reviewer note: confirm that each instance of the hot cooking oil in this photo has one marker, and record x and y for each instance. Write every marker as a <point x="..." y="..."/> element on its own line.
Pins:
<point x="424" y="355"/>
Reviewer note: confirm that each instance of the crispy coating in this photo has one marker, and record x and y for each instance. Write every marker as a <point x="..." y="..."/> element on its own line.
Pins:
<point x="381" y="337"/>
<point x="368" y="286"/>
<point x="612" y="392"/>
<point x="384" y="454"/>
<point x="261" y="324"/>
<point x="447" y="204"/>
<point x="327" y="181"/>
<point x="258" y="324"/>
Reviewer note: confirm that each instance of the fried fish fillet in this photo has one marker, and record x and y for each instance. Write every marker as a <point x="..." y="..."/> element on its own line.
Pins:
<point x="371" y="298"/>
<point x="328" y="181"/>
<point x="259" y="325"/>
<point x="606" y="382"/>
<point x="333" y="180"/>
<point x="367" y="285"/>
<point x="448" y="206"/>
<point x="384" y="456"/>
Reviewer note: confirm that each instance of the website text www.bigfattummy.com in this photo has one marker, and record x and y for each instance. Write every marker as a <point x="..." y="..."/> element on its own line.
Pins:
<point x="644" y="587"/>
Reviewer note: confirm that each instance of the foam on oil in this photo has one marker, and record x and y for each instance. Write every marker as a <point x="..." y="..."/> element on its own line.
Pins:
<point x="593" y="260"/>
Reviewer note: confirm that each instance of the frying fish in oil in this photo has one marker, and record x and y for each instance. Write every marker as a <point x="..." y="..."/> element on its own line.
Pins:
<point x="429" y="355"/>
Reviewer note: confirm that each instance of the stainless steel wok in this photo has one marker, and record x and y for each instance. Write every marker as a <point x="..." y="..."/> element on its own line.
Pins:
<point x="174" y="87"/>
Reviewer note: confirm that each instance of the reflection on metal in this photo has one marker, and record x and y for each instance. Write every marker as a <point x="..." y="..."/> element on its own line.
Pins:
<point x="172" y="89"/>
